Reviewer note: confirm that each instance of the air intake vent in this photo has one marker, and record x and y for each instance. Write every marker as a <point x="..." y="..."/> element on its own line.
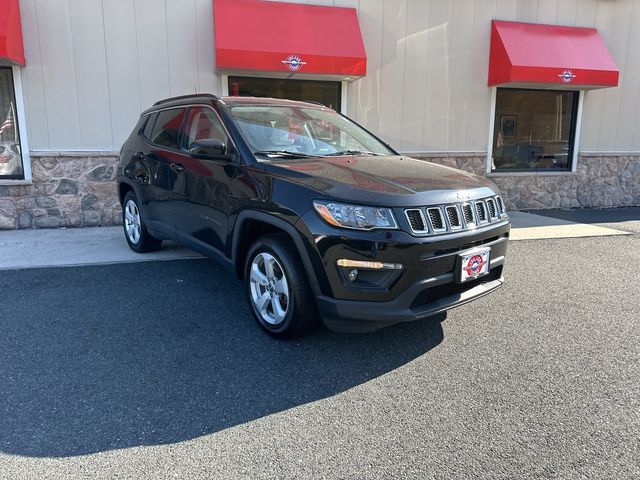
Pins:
<point x="453" y="216"/>
<point x="500" y="205"/>
<point x="481" y="213"/>
<point x="468" y="214"/>
<point x="437" y="222"/>
<point x="491" y="205"/>
<point x="416" y="220"/>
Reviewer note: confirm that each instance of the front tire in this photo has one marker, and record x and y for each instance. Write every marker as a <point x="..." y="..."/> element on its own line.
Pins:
<point x="135" y="231"/>
<point x="277" y="289"/>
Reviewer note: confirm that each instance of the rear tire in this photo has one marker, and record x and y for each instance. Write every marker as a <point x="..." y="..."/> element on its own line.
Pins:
<point x="277" y="289"/>
<point x="135" y="231"/>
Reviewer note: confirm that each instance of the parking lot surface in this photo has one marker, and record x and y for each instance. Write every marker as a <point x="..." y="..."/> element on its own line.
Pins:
<point x="156" y="369"/>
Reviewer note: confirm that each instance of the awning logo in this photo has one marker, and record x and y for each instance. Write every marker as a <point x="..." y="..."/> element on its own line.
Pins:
<point x="294" y="63"/>
<point x="567" y="76"/>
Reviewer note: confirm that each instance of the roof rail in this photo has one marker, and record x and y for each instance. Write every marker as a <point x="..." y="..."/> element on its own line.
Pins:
<point x="183" y="97"/>
<point x="315" y="102"/>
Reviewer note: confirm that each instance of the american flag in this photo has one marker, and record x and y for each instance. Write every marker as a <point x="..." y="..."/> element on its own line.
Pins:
<point x="8" y="122"/>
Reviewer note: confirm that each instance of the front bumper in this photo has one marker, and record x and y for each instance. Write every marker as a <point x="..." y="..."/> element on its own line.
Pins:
<point x="426" y="286"/>
<point x="363" y="316"/>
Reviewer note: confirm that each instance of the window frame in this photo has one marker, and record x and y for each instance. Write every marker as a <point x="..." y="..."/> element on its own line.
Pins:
<point x="575" y="133"/>
<point x="18" y="93"/>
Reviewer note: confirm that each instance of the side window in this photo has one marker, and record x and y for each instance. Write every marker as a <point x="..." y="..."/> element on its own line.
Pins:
<point x="149" y="126"/>
<point x="166" y="130"/>
<point x="204" y="124"/>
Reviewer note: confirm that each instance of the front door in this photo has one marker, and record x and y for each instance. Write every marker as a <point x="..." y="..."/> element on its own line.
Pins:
<point x="325" y="93"/>
<point x="202" y="204"/>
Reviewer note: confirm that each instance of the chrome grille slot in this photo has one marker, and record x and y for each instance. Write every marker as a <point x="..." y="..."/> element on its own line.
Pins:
<point x="453" y="216"/>
<point x="481" y="212"/>
<point x="491" y="205"/>
<point x="416" y="220"/>
<point x="467" y="211"/>
<point x="435" y="217"/>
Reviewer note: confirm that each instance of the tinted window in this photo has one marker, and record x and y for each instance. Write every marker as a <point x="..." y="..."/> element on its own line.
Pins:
<point x="534" y="130"/>
<point x="149" y="125"/>
<point x="166" y="130"/>
<point x="204" y="124"/>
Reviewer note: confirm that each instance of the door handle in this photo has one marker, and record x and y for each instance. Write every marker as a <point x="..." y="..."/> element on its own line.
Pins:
<point x="139" y="155"/>
<point x="176" y="167"/>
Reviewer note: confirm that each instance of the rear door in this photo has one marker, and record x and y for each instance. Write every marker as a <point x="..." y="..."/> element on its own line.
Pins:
<point x="164" y="159"/>
<point x="203" y="204"/>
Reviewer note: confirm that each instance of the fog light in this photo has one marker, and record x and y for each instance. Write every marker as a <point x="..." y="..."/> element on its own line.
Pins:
<point x="353" y="275"/>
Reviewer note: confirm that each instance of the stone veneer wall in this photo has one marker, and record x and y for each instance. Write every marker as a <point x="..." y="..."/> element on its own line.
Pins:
<point x="600" y="181"/>
<point x="79" y="190"/>
<point x="67" y="191"/>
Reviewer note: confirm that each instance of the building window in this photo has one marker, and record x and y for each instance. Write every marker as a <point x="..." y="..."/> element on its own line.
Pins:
<point x="534" y="130"/>
<point x="11" y="166"/>
<point x="325" y="92"/>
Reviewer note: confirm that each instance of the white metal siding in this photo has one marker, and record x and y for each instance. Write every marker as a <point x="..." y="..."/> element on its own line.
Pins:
<point x="93" y="65"/>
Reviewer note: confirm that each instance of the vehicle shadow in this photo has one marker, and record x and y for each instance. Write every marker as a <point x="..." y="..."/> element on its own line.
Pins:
<point x="109" y="357"/>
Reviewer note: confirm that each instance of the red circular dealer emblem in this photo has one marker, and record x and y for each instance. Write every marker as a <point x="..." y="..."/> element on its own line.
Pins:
<point x="474" y="265"/>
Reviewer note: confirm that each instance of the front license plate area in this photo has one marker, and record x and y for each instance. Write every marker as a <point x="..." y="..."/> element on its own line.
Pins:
<point x="473" y="264"/>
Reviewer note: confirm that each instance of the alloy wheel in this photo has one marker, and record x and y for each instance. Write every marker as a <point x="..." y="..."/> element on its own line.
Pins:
<point x="269" y="288"/>
<point x="132" y="222"/>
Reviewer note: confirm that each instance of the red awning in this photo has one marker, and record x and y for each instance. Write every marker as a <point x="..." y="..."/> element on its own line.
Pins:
<point x="11" y="48"/>
<point x="288" y="37"/>
<point x="526" y="53"/>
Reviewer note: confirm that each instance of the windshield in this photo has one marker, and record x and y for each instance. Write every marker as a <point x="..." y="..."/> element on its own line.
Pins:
<point x="299" y="132"/>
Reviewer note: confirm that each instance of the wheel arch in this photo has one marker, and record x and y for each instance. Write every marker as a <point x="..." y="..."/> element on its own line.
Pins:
<point x="123" y="189"/>
<point x="250" y="225"/>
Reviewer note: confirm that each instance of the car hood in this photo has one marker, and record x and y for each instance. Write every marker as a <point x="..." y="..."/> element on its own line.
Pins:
<point x="389" y="180"/>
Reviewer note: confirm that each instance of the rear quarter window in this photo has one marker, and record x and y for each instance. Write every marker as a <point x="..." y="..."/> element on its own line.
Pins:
<point x="166" y="129"/>
<point x="148" y="127"/>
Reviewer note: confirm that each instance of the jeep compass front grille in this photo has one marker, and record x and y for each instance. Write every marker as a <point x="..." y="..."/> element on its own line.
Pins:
<point x="455" y="217"/>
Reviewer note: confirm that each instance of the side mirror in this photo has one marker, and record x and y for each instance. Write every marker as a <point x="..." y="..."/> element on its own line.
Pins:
<point x="208" y="148"/>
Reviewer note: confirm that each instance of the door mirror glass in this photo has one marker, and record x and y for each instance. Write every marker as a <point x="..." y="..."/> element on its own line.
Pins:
<point x="208" y="148"/>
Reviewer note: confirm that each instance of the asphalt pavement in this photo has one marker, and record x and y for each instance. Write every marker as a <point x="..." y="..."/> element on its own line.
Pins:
<point x="157" y="370"/>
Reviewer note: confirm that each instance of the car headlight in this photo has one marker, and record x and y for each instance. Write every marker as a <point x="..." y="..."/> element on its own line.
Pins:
<point x="355" y="216"/>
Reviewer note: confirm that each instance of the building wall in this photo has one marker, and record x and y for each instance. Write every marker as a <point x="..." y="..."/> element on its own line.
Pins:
<point x="93" y="65"/>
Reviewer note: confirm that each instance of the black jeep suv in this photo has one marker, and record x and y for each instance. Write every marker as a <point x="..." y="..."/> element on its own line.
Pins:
<point x="321" y="219"/>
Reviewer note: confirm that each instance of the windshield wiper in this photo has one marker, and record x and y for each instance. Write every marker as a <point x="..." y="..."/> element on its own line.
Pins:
<point x="350" y="152"/>
<point x="283" y="153"/>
